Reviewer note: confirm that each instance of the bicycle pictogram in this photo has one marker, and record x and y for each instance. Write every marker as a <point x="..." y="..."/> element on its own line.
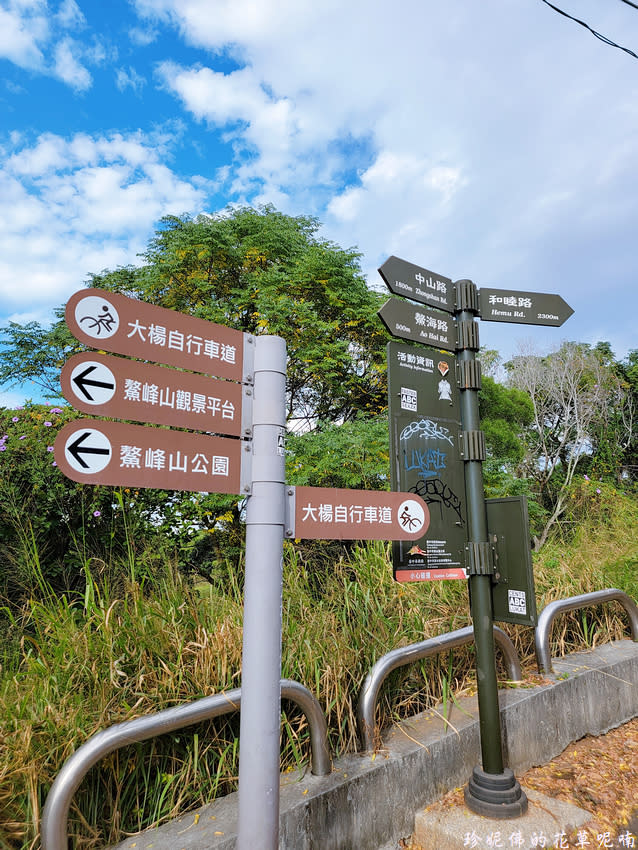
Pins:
<point x="103" y="321"/>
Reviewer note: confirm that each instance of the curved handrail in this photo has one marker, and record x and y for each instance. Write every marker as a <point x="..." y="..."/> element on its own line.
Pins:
<point x="414" y="652"/>
<point x="552" y="609"/>
<point x="56" y="809"/>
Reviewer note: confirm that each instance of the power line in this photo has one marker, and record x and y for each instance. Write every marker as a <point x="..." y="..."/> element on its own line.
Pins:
<point x="629" y="3"/>
<point x="598" y="35"/>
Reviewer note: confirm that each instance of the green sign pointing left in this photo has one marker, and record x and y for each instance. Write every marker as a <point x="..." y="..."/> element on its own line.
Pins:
<point x="419" y="324"/>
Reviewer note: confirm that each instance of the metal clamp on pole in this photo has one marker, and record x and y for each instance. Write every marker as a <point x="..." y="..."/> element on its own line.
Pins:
<point x="479" y="559"/>
<point x="470" y="374"/>
<point x="473" y="445"/>
<point x="467" y="335"/>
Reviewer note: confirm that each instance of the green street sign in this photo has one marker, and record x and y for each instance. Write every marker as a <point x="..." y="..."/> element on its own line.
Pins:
<point x="424" y="411"/>
<point x="526" y="308"/>
<point x="419" y="324"/>
<point x="417" y="283"/>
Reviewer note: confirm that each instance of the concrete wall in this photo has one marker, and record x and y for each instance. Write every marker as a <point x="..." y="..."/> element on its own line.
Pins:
<point x="370" y="800"/>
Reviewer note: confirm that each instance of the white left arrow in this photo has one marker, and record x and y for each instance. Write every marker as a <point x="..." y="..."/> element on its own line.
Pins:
<point x="93" y="382"/>
<point x="88" y="450"/>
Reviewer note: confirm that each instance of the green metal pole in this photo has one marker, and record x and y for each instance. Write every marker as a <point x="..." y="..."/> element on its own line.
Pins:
<point x="492" y="790"/>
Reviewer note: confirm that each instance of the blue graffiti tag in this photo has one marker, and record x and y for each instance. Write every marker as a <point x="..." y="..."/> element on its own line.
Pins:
<point x="427" y="462"/>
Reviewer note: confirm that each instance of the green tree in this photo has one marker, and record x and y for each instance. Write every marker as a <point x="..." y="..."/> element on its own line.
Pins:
<point x="572" y="391"/>
<point x="262" y="272"/>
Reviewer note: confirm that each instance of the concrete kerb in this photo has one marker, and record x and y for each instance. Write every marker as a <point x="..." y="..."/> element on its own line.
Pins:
<point x="370" y="801"/>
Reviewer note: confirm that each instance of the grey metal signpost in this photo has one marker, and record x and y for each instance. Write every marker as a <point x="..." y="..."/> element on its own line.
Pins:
<point x="106" y="452"/>
<point x="258" y="824"/>
<point x="492" y="789"/>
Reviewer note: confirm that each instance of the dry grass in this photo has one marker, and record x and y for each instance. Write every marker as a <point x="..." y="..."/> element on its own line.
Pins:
<point x="85" y="663"/>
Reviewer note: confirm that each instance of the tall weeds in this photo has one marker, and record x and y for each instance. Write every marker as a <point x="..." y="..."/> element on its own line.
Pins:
<point x="117" y="650"/>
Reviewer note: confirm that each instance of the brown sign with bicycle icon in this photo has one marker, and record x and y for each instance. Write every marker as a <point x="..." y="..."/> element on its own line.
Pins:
<point x="329" y="513"/>
<point x="113" y="322"/>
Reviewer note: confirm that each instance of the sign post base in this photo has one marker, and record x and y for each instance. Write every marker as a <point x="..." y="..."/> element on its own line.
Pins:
<point x="495" y="795"/>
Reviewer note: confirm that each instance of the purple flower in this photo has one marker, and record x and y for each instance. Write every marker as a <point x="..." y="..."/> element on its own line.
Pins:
<point x="3" y="448"/>
<point x="54" y="463"/>
<point x="56" y="410"/>
<point x="586" y="477"/>
<point x="49" y="448"/>
<point x="48" y="424"/>
<point x="598" y="490"/>
<point x="23" y="437"/>
<point x="15" y="419"/>
<point x="97" y="513"/>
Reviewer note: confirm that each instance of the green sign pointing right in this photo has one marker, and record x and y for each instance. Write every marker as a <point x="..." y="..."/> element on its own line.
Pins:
<point x="525" y="308"/>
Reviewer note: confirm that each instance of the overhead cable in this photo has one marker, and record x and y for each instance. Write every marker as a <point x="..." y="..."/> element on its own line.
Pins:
<point x="598" y="35"/>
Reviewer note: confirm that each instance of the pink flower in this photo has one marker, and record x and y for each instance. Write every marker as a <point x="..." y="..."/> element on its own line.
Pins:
<point x="97" y="513"/>
<point x="15" y="419"/>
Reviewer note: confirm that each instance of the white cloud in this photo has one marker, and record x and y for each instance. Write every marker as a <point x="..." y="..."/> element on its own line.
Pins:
<point x="79" y="205"/>
<point x="68" y="67"/>
<point x="23" y="28"/>
<point x="70" y="15"/>
<point x="125" y="79"/>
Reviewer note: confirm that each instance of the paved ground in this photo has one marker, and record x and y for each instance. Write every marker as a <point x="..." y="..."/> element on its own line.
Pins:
<point x="598" y="774"/>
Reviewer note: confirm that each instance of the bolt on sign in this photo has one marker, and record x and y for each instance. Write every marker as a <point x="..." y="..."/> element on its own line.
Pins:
<point x="424" y="412"/>
<point x="93" y="451"/>
<point x="326" y="513"/>
<point x="113" y="322"/>
<point x="127" y="389"/>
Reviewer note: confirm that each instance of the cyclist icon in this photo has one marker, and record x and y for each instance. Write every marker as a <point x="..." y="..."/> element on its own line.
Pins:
<point x="104" y="321"/>
<point x="97" y="317"/>
<point x="408" y="521"/>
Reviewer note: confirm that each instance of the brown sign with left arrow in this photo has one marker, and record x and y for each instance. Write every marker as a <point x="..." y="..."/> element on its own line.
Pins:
<point x="92" y="451"/>
<point x="127" y="389"/>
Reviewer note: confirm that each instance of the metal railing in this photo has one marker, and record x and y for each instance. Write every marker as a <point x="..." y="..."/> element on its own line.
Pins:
<point x="551" y="611"/>
<point x="414" y="652"/>
<point x="56" y="809"/>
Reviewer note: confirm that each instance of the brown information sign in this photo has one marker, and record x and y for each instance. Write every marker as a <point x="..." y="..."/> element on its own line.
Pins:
<point x="328" y="513"/>
<point x="127" y="389"/>
<point x="113" y="322"/>
<point x="96" y="452"/>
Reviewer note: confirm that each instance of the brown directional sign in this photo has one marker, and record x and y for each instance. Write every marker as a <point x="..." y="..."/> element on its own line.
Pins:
<point x="332" y="514"/>
<point x="417" y="283"/>
<point x="526" y="308"/>
<point x="92" y="451"/>
<point x="419" y="323"/>
<point x="127" y="389"/>
<point x="113" y="322"/>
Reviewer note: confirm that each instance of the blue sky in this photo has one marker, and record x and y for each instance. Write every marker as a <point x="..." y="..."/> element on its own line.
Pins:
<point x="491" y="140"/>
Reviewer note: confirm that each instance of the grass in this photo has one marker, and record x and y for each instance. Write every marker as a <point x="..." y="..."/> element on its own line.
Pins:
<point x="105" y="655"/>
